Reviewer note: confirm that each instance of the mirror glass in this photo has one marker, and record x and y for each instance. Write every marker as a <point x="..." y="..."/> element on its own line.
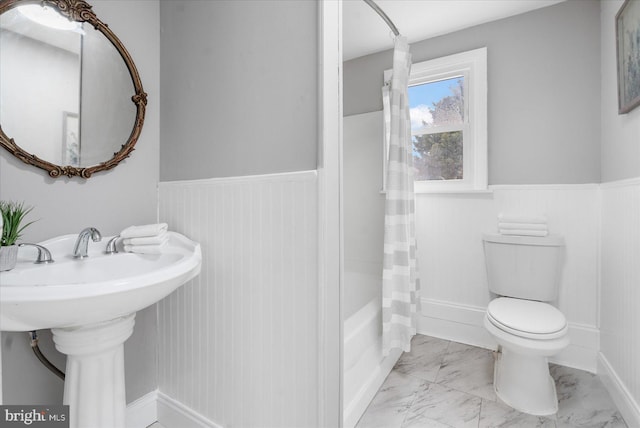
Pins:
<point x="65" y="89"/>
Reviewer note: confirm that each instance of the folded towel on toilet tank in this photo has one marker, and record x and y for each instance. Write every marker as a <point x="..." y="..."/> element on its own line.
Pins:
<point x="522" y="225"/>
<point x="523" y="232"/>
<point x="507" y="218"/>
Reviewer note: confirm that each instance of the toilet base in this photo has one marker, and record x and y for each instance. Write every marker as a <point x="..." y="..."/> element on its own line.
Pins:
<point x="524" y="383"/>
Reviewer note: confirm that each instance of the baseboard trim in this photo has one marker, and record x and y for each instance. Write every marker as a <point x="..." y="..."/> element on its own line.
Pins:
<point x="172" y="413"/>
<point x="464" y="324"/>
<point x="354" y="410"/>
<point x="143" y="412"/>
<point x="628" y="407"/>
<point x="455" y="322"/>
<point x="159" y="407"/>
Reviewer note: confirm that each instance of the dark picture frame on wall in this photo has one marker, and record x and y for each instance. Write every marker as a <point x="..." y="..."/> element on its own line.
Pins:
<point x="628" y="55"/>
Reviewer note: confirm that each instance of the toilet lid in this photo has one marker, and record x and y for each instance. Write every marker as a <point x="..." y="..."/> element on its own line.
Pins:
<point x="526" y="318"/>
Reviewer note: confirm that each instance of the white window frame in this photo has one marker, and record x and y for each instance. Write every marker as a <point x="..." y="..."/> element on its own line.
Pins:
<point x="473" y="66"/>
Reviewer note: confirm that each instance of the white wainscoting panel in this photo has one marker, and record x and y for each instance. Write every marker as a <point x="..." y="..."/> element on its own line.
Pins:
<point x="451" y="259"/>
<point x="238" y="345"/>
<point x="620" y="295"/>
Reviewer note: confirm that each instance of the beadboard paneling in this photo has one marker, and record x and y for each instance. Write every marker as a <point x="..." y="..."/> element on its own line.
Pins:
<point x="239" y="343"/>
<point x="452" y="270"/>
<point x="451" y="258"/>
<point x="620" y="291"/>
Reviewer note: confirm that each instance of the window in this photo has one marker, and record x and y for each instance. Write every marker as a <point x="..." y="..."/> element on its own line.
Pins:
<point x="448" y="103"/>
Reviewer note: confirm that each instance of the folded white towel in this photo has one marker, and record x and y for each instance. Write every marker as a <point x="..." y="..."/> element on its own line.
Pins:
<point x="522" y="226"/>
<point x="503" y="218"/>
<point x="524" y="232"/>
<point x="144" y="230"/>
<point x="144" y="249"/>
<point x="147" y="240"/>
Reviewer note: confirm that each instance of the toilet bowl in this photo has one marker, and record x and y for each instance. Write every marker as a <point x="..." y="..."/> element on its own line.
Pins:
<point x="527" y="332"/>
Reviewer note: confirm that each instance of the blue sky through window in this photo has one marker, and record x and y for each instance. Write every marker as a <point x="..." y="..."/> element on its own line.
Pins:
<point x="427" y="94"/>
<point x="422" y="97"/>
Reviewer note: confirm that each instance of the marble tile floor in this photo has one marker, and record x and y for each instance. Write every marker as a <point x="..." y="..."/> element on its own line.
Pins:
<point x="443" y="384"/>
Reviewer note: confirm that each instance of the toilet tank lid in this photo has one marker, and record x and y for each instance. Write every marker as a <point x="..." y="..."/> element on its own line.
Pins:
<point x="547" y="241"/>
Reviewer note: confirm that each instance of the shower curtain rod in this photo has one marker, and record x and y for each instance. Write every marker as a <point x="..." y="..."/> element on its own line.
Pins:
<point x="383" y="15"/>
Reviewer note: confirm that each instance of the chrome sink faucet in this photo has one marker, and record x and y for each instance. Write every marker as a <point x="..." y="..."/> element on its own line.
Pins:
<point x="82" y="243"/>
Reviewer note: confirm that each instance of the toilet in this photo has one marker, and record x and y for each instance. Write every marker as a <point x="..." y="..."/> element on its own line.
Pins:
<point x="523" y="273"/>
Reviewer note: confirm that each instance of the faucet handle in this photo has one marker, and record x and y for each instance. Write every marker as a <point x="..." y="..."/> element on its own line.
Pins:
<point x="44" y="255"/>
<point x="111" y="245"/>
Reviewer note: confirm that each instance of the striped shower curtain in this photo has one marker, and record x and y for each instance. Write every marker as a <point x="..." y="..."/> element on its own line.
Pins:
<point x="400" y="284"/>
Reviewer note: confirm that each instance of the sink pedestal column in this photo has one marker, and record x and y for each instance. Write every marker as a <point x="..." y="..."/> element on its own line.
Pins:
<point x="94" y="381"/>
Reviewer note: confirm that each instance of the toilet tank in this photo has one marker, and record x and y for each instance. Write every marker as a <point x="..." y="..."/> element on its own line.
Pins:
<point x="525" y="267"/>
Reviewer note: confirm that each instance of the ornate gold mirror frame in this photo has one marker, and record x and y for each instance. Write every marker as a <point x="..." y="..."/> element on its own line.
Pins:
<point x="81" y="11"/>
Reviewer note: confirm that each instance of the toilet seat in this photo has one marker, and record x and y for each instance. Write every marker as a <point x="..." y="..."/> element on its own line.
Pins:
<point x="527" y="318"/>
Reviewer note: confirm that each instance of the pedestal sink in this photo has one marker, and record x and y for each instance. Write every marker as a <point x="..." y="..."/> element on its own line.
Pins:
<point x="90" y="306"/>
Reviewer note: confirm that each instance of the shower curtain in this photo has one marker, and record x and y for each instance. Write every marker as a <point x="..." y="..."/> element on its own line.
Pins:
<point x="400" y="284"/>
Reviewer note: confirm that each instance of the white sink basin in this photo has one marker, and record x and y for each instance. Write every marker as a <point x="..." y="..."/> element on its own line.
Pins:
<point x="90" y="305"/>
<point x="101" y="287"/>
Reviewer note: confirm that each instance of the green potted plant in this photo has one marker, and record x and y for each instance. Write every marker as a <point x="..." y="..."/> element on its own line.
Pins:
<point x="11" y="228"/>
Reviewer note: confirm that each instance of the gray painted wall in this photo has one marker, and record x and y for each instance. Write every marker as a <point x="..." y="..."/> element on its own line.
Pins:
<point x="239" y="88"/>
<point x="620" y="133"/>
<point x="109" y="201"/>
<point x="544" y="80"/>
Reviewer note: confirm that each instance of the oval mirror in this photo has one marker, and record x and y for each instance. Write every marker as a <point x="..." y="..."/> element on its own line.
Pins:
<point x="71" y="99"/>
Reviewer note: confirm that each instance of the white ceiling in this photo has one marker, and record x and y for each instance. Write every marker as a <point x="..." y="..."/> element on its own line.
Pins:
<point x="364" y="32"/>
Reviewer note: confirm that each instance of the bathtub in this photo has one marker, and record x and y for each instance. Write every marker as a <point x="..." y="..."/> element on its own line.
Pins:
<point x="365" y="369"/>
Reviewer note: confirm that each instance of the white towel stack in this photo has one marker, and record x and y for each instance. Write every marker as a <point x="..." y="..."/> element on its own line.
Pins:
<point x="145" y="239"/>
<point x="522" y="226"/>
